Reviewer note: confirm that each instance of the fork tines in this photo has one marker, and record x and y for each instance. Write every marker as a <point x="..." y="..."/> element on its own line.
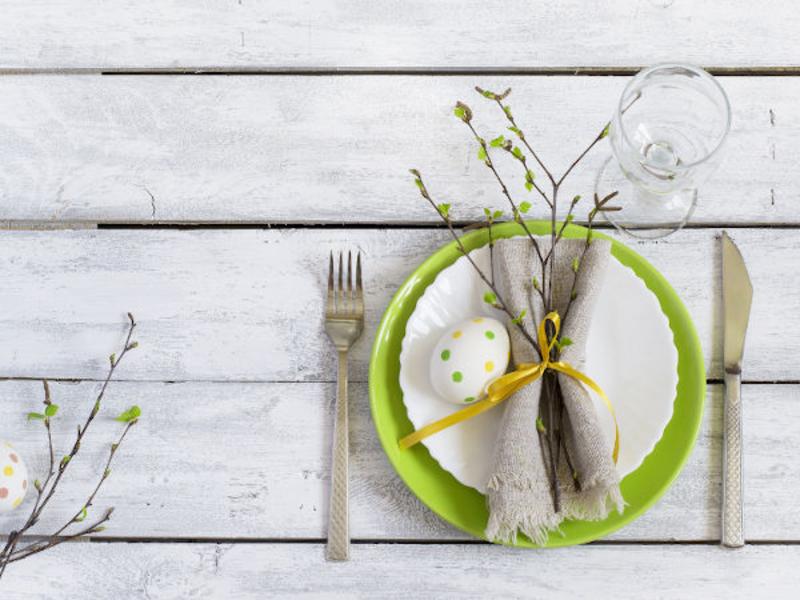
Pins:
<point x="343" y="300"/>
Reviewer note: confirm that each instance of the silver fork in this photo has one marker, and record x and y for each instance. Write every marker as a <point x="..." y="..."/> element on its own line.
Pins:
<point x="344" y="322"/>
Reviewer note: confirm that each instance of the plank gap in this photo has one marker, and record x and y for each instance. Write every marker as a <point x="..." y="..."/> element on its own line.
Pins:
<point x="398" y="541"/>
<point x="586" y="71"/>
<point x="399" y="225"/>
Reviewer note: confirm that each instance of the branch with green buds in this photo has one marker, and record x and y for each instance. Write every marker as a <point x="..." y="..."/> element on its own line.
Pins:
<point x="483" y="155"/>
<point x="550" y="424"/>
<point x="497" y="302"/>
<point x="14" y="549"/>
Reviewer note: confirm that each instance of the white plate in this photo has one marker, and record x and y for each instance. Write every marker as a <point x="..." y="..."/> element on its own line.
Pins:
<point x="630" y="353"/>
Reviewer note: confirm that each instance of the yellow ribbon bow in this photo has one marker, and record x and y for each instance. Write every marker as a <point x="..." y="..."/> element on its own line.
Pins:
<point x="506" y="385"/>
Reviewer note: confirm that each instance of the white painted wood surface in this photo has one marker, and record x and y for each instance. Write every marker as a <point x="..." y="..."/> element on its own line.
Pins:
<point x="224" y="482"/>
<point x="251" y="461"/>
<point x="427" y="35"/>
<point x="318" y="149"/>
<point x="150" y="571"/>
<point x="234" y="305"/>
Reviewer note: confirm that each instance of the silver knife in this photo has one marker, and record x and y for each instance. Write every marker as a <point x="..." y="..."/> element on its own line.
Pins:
<point x="737" y="295"/>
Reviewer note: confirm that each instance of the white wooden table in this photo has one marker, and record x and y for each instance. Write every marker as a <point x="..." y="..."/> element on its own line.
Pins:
<point x="195" y="163"/>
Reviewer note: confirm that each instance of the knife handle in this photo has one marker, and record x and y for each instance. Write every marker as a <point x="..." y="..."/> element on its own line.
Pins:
<point x="732" y="517"/>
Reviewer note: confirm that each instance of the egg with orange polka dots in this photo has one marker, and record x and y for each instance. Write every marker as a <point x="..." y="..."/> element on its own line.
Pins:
<point x="13" y="478"/>
<point x="469" y="357"/>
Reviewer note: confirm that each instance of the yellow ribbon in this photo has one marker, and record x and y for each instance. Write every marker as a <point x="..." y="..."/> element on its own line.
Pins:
<point x="506" y="385"/>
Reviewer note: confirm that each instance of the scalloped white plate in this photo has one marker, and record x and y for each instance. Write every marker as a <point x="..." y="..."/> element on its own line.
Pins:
<point x="630" y="353"/>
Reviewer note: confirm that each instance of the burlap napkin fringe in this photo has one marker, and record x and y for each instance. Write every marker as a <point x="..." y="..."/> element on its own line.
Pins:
<point x="594" y="504"/>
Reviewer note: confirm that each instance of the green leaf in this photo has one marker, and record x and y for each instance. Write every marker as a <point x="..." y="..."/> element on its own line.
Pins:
<point x="459" y="112"/>
<point x="540" y="426"/>
<point x="576" y="199"/>
<point x="419" y="184"/>
<point x="535" y="283"/>
<point x="565" y="341"/>
<point x="497" y="214"/>
<point x="521" y="316"/>
<point x="589" y="237"/>
<point x="82" y="516"/>
<point x="487" y="212"/>
<point x="605" y="130"/>
<point x="513" y="129"/>
<point x="490" y="298"/>
<point x="32" y="416"/>
<point x="524" y="207"/>
<point x="65" y="460"/>
<point x="508" y="112"/>
<point x="488" y="94"/>
<point x="444" y="209"/>
<point x="529" y="176"/>
<point x="575" y="263"/>
<point x="497" y="141"/>
<point x="481" y="153"/>
<point x="570" y="219"/>
<point x="517" y="152"/>
<point x="528" y="186"/>
<point x="135" y="411"/>
<point x="51" y="410"/>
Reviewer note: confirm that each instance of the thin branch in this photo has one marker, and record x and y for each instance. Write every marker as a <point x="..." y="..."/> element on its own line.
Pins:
<point x="488" y="162"/>
<point x="64" y="464"/>
<point x="602" y="134"/>
<point x="521" y="135"/>
<point x="491" y="251"/>
<point x="503" y="305"/>
<point x="51" y="542"/>
<point x="599" y="206"/>
<point x="551" y="399"/>
<point x="528" y="179"/>
<point x="46" y="491"/>
<point x="103" y="477"/>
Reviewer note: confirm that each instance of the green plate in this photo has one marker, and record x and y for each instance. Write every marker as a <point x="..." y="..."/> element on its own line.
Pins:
<point x="465" y="507"/>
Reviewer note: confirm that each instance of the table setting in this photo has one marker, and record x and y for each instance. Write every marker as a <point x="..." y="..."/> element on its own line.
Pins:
<point x="344" y="302"/>
<point x="502" y="459"/>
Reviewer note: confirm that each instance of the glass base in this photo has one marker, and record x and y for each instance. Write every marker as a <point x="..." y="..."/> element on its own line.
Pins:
<point x="644" y="214"/>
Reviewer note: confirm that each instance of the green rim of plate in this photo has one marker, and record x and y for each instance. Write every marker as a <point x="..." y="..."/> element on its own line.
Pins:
<point x="465" y="507"/>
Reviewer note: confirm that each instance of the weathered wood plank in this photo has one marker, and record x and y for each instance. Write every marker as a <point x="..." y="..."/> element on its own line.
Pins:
<point x="251" y="461"/>
<point x="383" y="571"/>
<point x="248" y="304"/>
<point x="449" y="34"/>
<point x="291" y="149"/>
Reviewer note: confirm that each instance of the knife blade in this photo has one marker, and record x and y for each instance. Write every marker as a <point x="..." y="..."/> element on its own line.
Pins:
<point x="737" y="297"/>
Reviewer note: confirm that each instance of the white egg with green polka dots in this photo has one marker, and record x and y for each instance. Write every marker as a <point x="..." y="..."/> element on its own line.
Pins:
<point x="467" y="358"/>
<point x="13" y="478"/>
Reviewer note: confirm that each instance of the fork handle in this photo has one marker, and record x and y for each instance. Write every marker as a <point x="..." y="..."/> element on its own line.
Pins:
<point x="339" y="515"/>
<point x="732" y="513"/>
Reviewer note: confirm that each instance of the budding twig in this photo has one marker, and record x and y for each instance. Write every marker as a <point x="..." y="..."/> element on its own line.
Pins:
<point x="552" y="409"/>
<point x="12" y="551"/>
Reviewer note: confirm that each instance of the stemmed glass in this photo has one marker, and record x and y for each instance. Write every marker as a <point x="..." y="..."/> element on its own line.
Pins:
<point x="666" y="135"/>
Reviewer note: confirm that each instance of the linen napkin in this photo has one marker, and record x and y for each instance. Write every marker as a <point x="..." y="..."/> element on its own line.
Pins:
<point x="519" y="491"/>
